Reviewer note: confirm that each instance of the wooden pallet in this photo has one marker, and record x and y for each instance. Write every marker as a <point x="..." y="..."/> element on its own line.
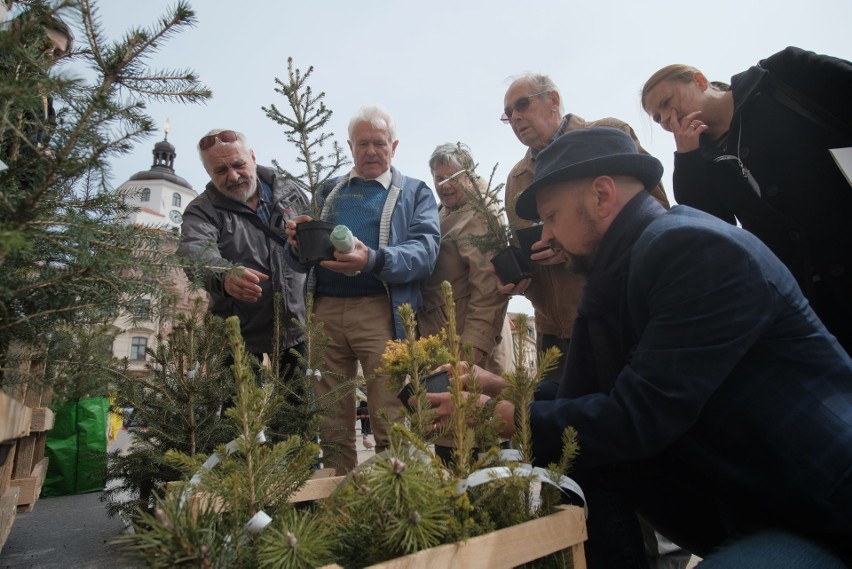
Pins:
<point x="15" y="421"/>
<point x="30" y="486"/>
<point x="8" y="509"/>
<point x="30" y="466"/>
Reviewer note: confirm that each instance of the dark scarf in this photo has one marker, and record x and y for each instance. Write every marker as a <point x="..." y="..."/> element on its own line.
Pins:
<point x="603" y="337"/>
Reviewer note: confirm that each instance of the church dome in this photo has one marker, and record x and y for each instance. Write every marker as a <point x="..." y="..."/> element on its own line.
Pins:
<point x="163" y="166"/>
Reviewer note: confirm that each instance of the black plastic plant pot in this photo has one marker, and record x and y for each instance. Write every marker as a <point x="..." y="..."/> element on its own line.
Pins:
<point x="527" y="237"/>
<point x="314" y="241"/>
<point x="512" y="265"/>
<point x="437" y="382"/>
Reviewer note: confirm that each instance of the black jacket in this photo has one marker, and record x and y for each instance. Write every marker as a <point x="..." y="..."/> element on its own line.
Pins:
<point x="805" y="203"/>
<point x="218" y="231"/>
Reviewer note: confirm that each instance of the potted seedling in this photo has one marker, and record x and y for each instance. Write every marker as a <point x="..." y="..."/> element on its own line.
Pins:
<point x="511" y="263"/>
<point x="529" y="236"/>
<point x="408" y="361"/>
<point x="304" y="128"/>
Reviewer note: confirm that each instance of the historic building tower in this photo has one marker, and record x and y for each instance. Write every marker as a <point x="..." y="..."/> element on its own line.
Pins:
<point x="161" y="196"/>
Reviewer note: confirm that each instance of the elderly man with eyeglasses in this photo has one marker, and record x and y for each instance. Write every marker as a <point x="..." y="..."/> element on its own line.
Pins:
<point x="534" y="110"/>
<point x="234" y="232"/>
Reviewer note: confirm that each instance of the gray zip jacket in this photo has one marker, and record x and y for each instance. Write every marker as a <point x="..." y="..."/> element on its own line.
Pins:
<point x="219" y="233"/>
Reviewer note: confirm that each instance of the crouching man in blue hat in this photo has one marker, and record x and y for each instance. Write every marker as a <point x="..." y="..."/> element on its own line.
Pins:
<point x="707" y="395"/>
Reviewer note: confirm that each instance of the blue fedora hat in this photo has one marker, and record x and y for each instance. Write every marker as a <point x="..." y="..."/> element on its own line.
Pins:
<point x="588" y="153"/>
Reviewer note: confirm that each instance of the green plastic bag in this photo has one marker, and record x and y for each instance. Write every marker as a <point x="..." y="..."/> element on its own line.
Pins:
<point x="76" y="447"/>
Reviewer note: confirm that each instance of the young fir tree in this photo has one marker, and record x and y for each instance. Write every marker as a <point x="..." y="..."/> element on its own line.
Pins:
<point x="69" y="263"/>
<point x="304" y="124"/>
<point x="179" y="403"/>
<point x="304" y="128"/>
<point x="485" y="200"/>
<point x="233" y="512"/>
<point x="212" y="520"/>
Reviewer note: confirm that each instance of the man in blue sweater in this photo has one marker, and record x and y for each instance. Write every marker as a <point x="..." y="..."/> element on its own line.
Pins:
<point x="394" y="219"/>
<point x="706" y="393"/>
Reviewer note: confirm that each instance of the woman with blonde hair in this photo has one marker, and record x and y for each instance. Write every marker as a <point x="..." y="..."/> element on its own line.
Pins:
<point x="757" y="152"/>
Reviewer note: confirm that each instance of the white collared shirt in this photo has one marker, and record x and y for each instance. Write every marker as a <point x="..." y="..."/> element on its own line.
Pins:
<point x="384" y="179"/>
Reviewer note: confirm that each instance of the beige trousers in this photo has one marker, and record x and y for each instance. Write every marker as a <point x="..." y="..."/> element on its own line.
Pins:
<point x="358" y="329"/>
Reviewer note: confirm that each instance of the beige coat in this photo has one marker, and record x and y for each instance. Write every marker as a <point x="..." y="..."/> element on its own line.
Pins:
<point x="480" y="308"/>
<point x="555" y="291"/>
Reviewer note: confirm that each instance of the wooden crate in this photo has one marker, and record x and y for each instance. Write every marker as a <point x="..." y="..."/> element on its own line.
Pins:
<point x="502" y="549"/>
<point x="320" y="485"/>
<point x="505" y="548"/>
<point x="509" y="547"/>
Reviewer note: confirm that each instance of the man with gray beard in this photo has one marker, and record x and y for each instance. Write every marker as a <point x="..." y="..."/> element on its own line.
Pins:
<point x="233" y="233"/>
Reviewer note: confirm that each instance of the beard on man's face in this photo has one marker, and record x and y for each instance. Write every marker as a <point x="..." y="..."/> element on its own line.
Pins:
<point x="240" y="190"/>
<point x="579" y="264"/>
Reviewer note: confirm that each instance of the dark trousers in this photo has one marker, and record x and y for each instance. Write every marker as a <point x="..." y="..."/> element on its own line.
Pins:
<point x="680" y="504"/>
<point x="675" y="504"/>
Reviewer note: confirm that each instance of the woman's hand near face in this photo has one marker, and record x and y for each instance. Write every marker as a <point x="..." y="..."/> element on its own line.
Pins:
<point x="687" y="131"/>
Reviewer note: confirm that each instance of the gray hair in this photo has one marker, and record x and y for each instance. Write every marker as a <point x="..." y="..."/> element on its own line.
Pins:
<point x="376" y="116"/>
<point x="540" y="83"/>
<point x="457" y="155"/>
<point x="241" y="140"/>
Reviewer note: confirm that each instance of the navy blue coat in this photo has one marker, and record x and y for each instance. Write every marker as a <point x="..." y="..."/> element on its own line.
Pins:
<point x="730" y="370"/>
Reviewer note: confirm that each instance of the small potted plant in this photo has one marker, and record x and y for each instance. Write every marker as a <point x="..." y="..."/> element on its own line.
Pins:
<point x="511" y="263"/>
<point x="304" y="129"/>
<point x="408" y="361"/>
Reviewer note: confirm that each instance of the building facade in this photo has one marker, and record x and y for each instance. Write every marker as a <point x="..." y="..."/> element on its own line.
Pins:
<point x="160" y="196"/>
<point x="528" y="337"/>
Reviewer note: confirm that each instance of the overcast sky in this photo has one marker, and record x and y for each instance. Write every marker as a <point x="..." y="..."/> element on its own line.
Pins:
<point x="442" y="67"/>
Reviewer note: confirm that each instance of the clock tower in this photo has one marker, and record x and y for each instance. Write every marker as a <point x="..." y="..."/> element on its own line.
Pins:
<point x="159" y="193"/>
<point x="160" y="196"/>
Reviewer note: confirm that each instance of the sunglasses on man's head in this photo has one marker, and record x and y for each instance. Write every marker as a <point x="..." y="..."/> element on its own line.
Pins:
<point x="209" y="140"/>
<point x="521" y="104"/>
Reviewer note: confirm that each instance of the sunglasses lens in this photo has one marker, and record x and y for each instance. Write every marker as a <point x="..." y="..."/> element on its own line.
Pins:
<point x="523" y="104"/>
<point x="206" y="142"/>
<point x="209" y="140"/>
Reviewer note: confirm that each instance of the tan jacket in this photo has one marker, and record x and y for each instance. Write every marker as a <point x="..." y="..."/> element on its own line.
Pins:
<point x="555" y="291"/>
<point x="480" y="309"/>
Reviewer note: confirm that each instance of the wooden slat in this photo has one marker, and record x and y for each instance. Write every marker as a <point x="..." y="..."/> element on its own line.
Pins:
<point x="15" y="418"/>
<point x="40" y="444"/>
<point x="42" y="420"/>
<point x="316" y="489"/>
<point x="24" y="457"/>
<point x="31" y="486"/>
<point x="508" y="547"/>
<point x="6" y="468"/>
<point x="8" y="509"/>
